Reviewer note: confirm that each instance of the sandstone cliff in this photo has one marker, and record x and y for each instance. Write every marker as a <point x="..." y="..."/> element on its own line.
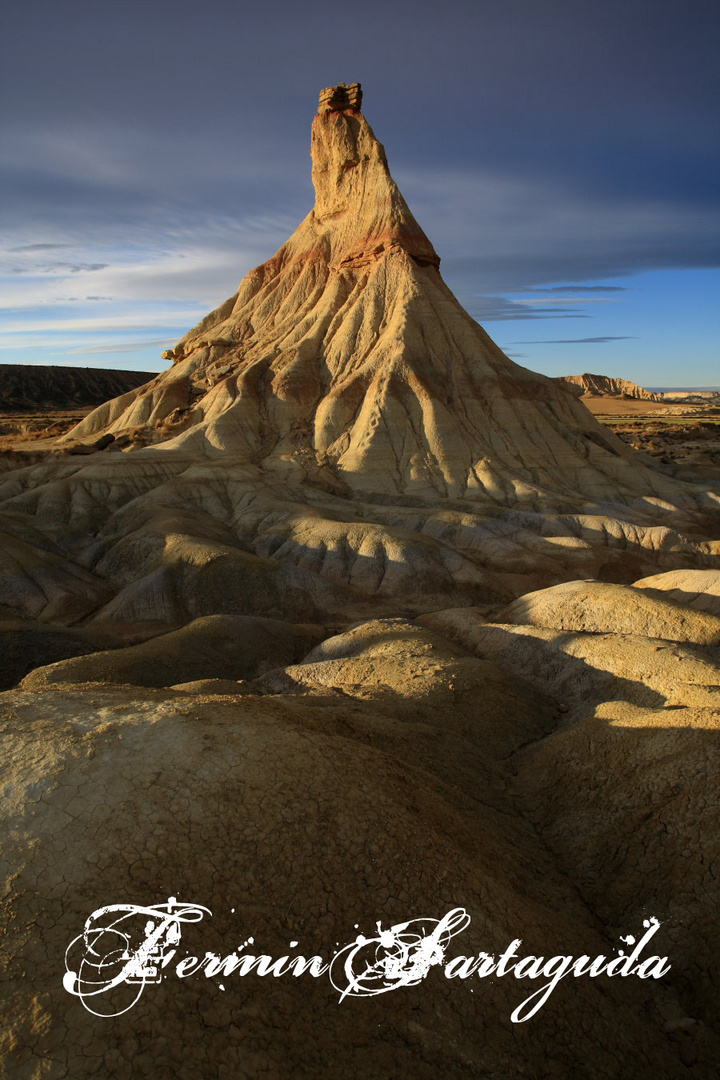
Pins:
<point x="604" y="386"/>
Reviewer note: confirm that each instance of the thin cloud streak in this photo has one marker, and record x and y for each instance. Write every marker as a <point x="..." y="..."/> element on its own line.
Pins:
<point x="38" y="247"/>
<point x="60" y="268"/>
<point x="138" y="322"/>
<point x="578" y="341"/>
<point x="123" y="347"/>
<point x="581" y="289"/>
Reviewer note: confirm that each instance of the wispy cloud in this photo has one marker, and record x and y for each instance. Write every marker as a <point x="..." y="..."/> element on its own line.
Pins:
<point x="501" y="308"/>
<point x="38" y="247"/>
<point x="530" y="301"/>
<point x="122" y="347"/>
<point x="67" y="300"/>
<point x="60" y="268"/>
<point x="580" y="289"/>
<point x="578" y="341"/>
<point x="128" y="320"/>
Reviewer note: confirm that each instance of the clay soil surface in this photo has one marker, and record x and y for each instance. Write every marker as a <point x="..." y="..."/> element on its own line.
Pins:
<point x="616" y="408"/>
<point x="674" y="441"/>
<point x="672" y="434"/>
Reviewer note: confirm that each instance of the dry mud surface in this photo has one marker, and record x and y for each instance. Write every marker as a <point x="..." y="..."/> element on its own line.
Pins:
<point x="355" y="620"/>
<point x="397" y="771"/>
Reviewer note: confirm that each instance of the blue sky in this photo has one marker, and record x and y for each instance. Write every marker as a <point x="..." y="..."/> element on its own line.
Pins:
<point x="561" y="155"/>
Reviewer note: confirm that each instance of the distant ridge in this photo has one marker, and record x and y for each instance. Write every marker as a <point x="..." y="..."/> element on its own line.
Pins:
<point x="604" y="386"/>
<point x="33" y="386"/>
<point x="685" y="389"/>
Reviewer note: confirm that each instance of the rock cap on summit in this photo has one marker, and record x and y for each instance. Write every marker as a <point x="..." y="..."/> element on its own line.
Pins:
<point x="341" y="97"/>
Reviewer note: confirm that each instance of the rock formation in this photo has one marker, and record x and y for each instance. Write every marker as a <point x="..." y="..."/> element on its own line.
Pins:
<point x="313" y="643"/>
<point x="340" y="436"/>
<point x="347" y="352"/>
<point x="604" y="386"/>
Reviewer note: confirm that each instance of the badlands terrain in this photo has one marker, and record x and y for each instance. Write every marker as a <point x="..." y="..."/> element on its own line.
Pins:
<point x="346" y="617"/>
<point x="39" y="402"/>
<point x="677" y="429"/>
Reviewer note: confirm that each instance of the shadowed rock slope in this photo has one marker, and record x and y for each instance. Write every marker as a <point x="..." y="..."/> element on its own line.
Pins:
<point x="390" y="774"/>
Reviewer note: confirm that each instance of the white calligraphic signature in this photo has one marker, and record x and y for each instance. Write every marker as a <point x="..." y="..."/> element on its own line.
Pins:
<point x="125" y="947"/>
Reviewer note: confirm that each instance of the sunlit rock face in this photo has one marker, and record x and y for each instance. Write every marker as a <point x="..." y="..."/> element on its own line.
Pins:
<point x="348" y="347"/>
<point x="604" y="386"/>
<point x="340" y="439"/>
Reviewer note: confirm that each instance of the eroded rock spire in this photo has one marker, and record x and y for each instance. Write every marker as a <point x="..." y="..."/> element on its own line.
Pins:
<point x="340" y="434"/>
<point x="348" y="350"/>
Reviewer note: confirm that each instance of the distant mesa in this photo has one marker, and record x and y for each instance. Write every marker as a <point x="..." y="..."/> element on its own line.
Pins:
<point x="604" y="386"/>
<point x="698" y="396"/>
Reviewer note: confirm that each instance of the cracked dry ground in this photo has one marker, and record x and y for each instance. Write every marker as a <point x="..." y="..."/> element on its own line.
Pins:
<point x="558" y="782"/>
